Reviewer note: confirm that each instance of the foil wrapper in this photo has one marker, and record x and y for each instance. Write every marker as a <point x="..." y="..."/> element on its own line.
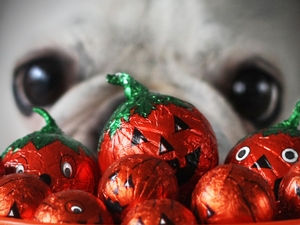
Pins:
<point x="72" y="206"/>
<point x="159" y="211"/>
<point x="20" y="195"/>
<point x="233" y="194"/>
<point x="133" y="179"/>
<point x="162" y="126"/>
<point x="60" y="161"/>
<point x="289" y="193"/>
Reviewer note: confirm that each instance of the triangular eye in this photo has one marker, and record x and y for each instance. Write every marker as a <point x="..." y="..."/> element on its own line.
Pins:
<point x="137" y="137"/>
<point x="129" y="182"/>
<point x="164" y="220"/>
<point x="209" y="212"/>
<point x="14" y="212"/>
<point x="297" y="189"/>
<point x="179" y="125"/>
<point x="164" y="146"/>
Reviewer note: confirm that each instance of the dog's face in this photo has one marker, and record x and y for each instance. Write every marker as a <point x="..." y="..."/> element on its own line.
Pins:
<point x="236" y="61"/>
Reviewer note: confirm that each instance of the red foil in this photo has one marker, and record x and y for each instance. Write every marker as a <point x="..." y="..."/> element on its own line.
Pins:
<point x="271" y="156"/>
<point x="133" y="179"/>
<point x="72" y="206"/>
<point x="20" y="195"/>
<point x="182" y="137"/>
<point x="233" y="194"/>
<point x="159" y="211"/>
<point x="289" y="193"/>
<point x="58" y="165"/>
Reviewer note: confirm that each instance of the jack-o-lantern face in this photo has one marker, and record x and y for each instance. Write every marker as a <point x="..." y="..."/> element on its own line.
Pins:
<point x="162" y="126"/>
<point x="72" y="206"/>
<point x="159" y="212"/>
<point x="20" y="195"/>
<point x="270" y="152"/>
<point x="58" y="160"/>
<point x="136" y="178"/>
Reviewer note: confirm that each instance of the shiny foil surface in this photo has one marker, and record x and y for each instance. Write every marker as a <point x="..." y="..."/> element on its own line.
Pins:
<point x="20" y="195"/>
<point x="133" y="179"/>
<point x="233" y="194"/>
<point x="159" y="211"/>
<point x="271" y="156"/>
<point x="60" y="161"/>
<point x="72" y="206"/>
<point x="162" y="126"/>
<point x="289" y="193"/>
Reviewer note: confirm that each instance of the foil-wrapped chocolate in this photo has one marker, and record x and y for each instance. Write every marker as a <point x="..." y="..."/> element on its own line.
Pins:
<point x="233" y="194"/>
<point x="60" y="161"/>
<point x="20" y="195"/>
<point x="270" y="152"/>
<point x="162" y="126"/>
<point x="289" y="193"/>
<point x="72" y="206"/>
<point x="133" y="179"/>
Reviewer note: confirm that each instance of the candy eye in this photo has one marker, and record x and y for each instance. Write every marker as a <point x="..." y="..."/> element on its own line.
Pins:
<point x="242" y="153"/>
<point x="76" y="209"/>
<point x="20" y="168"/>
<point x="289" y="155"/>
<point x="67" y="170"/>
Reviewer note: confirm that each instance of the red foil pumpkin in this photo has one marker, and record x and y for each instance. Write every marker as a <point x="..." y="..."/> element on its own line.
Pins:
<point x="162" y="126"/>
<point x="133" y="179"/>
<point x="62" y="162"/>
<point x="270" y="152"/>
<point x="159" y="211"/>
<point x="289" y="193"/>
<point x="72" y="206"/>
<point x="20" y="195"/>
<point x="233" y="194"/>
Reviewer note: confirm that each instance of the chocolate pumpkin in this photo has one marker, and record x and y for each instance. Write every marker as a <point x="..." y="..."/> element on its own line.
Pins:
<point x="162" y="126"/>
<point x="62" y="162"/>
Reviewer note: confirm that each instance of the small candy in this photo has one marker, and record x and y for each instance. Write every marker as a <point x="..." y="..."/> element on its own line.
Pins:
<point x="270" y="152"/>
<point x="233" y="194"/>
<point x="57" y="159"/>
<point x="289" y="193"/>
<point x="133" y="179"/>
<point x="20" y="195"/>
<point x="72" y="206"/>
<point x="162" y="126"/>
<point x="159" y="212"/>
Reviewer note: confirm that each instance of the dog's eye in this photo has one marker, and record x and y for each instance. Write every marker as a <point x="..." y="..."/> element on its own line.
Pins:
<point x="40" y="82"/>
<point x="256" y="95"/>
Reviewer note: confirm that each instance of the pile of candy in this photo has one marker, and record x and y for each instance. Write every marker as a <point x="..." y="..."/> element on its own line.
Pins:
<point x="157" y="163"/>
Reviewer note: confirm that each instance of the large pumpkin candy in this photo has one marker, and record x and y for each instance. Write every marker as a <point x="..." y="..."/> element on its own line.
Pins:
<point x="62" y="162"/>
<point x="270" y="152"/>
<point x="159" y="125"/>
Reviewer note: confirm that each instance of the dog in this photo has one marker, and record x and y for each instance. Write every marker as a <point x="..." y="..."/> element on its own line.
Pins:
<point x="236" y="61"/>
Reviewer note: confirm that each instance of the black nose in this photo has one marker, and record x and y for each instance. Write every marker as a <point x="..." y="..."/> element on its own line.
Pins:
<point x="46" y="178"/>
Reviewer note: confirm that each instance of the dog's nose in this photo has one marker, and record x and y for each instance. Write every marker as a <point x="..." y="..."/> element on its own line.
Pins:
<point x="46" y="178"/>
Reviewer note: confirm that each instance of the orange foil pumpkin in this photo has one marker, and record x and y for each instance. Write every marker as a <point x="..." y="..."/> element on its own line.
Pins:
<point x="162" y="126"/>
<point x="20" y="195"/>
<point x="159" y="211"/>
<point x="233" y="194"/>
<point x="133" y="179"/>
<point x="289" y="193"/>
<point x="270" y="152"/>
<point x="72" y="206"/>
<point x="60" y="161"/>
